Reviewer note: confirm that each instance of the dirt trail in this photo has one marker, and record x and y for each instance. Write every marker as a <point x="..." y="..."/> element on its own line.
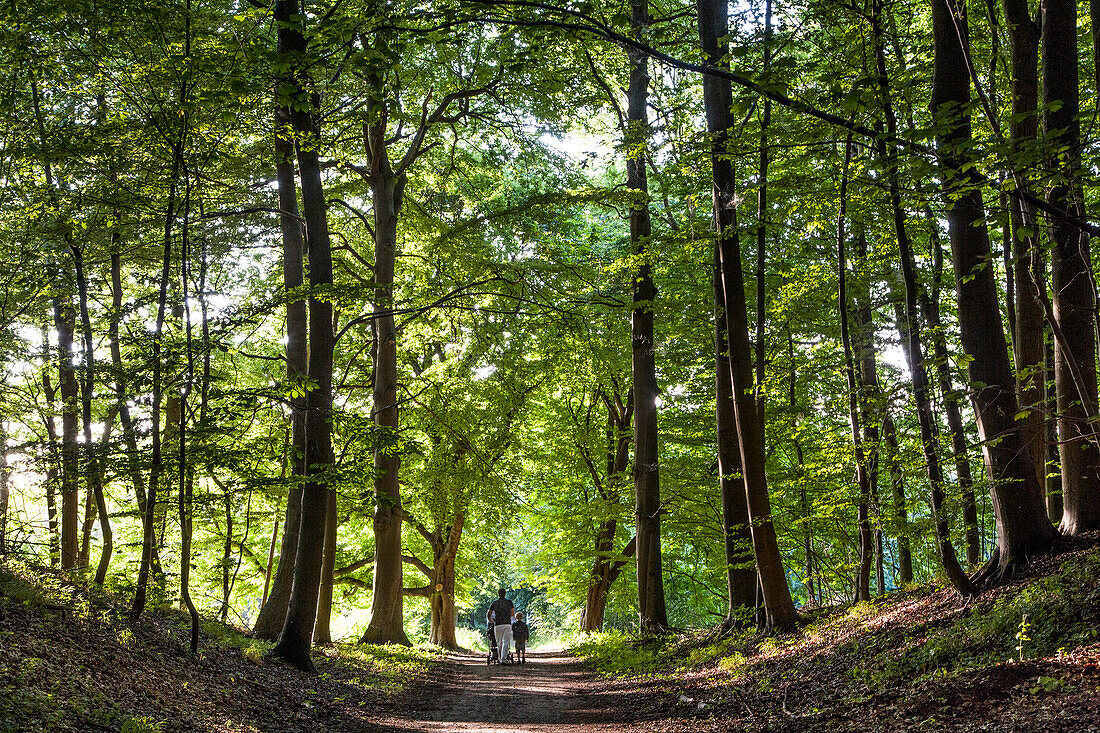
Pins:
<point x="552" y="692"/>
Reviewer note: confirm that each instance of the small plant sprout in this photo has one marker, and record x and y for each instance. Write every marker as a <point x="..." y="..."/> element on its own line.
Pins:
<point x="1021" y="636"/>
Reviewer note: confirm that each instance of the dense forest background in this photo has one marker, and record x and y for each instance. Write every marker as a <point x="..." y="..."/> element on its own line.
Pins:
<point x="330" y="320"/>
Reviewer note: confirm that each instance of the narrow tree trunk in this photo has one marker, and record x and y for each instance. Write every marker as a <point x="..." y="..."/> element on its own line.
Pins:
<point x="64" y="323"/>
<point x="713" y="22"/>
<point x="387" y="193"/>
<point x="952" y="409"/>
<point x="269" y="622"/>
<point x="870" y="399"/>
<point x="901" y="511"/>
<point x="227" y="556"/>
<point x="1074" y="305"/>
<point x="862" y="591"/>
<point x="1053" y="470"/>
<point x="53" y="453"/>
<point x="295" y="639"/>
<point x="1023" y="529"/>
<point x="149" y="538"/>
<point x="94" y="473"/>
<point x="651" y="595"/>
<point x="762" y="215"/>
<point x="4" y="485"/>
<point x="322" y="627"/>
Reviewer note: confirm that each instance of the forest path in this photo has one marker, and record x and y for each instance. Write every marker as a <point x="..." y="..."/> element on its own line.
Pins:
<point x="552" y="692"/>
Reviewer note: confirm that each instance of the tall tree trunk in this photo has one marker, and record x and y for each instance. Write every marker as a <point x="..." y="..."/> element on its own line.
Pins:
<point x="1074" y="304"/>
<point x="909" y="325"/>
<point x="1022" y="527"/>
<point x="870" y="399"/>
<point x="269" y="622"/>
<point x="862" y="591"/>
<point x="779" y="606"/>
<point x="762" y="215"/>
<point x="647" y="490"/>
<point x="94" y="473"/>
<point x="930" y="309"/>
<point x="156" y="468"/>
<point x="606" y="567"/>
<point x="1053" y="478"/>
<point x="1028" y="265"/>
<point x="901" y="511"/>
<point x="296" y="637"/>
<point x="4" y="485"/>
<point x="53" y="453"/>
<point x="713" y="19"/>
<point x="322" y="631"/>
<point x="65" y="323"/>
<point x="387" y="193"/>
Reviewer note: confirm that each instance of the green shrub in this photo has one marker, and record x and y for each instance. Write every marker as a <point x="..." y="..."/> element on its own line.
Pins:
<point x="142" y="725"/>
<point x="616" y="653"/>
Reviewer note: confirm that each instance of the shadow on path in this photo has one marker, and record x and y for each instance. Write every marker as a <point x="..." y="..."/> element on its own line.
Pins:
<point x="552" y="692"/>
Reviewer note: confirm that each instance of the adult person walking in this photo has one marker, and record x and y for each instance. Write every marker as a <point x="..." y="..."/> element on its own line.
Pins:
<point x="501" y="613"/>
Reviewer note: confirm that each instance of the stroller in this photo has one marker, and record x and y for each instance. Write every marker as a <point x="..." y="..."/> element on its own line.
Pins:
<point x="494" y="652"/>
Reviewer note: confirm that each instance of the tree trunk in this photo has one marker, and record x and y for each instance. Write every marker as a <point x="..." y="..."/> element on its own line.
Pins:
<point x="94" y="473"/>
<point x="862" y="590"/>
<point x="441" y="596"/>
<point x="269" y="622"/>
<point x="65" y="323"/>
<point x="1022" y="527"/>
<point x="647" y="491"/>
<point x="779" y="606"/>
<point x="322" y="631"/>
<point x="901" y="511"/>
<point x="1028" y="263"/>
<point x="1074" y="305"/>
<point x="53" y="453"/>
<point x="1052" y="486"/>
<point x="4" y="485"/>
<point x="869" y="405"/>
<point x="713" y="18"/>
<point x="297" y="633"/>
<point x="387" y="193"/>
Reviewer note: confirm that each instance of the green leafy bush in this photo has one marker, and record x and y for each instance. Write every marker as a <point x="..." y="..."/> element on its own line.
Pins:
<point x="142" y="725"/>
<point x="616" y="653"/>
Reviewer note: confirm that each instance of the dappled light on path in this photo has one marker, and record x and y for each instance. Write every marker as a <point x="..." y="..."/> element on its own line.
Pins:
<point x="551" y="692"/>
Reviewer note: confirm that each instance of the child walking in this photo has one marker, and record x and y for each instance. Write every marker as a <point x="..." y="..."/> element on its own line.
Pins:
<point x="520" y="634"/>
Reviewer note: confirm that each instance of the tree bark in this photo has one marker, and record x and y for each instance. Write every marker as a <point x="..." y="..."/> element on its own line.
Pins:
<point x="779" y="606"/>
<point x="53" y="453"/>
<point x="1022" y="527"/>
<point x="297" y="633"/>
<point x="713" y="20"/>
<point x="269" y="622"/>
<point x="1074" y="305"/>
<point x="1028" y="265"/>
<point x="91" y="450"/>
<point x="862" y="591"/>
<point x="653" y="615"/>
<point x="387" y="194"/>
<point x="322" y="627"/>
<point x="65" y="324"/>
<point x="606" y="566"/>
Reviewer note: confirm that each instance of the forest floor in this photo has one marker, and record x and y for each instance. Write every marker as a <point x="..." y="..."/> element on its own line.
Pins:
<point x="1024" y="656"/>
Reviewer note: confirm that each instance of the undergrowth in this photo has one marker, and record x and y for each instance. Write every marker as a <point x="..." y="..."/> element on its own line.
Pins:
<point x="1038" y="619"/>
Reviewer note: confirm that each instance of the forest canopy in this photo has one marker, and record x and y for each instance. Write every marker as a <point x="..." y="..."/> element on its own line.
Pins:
<point x="331" y="318"/>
